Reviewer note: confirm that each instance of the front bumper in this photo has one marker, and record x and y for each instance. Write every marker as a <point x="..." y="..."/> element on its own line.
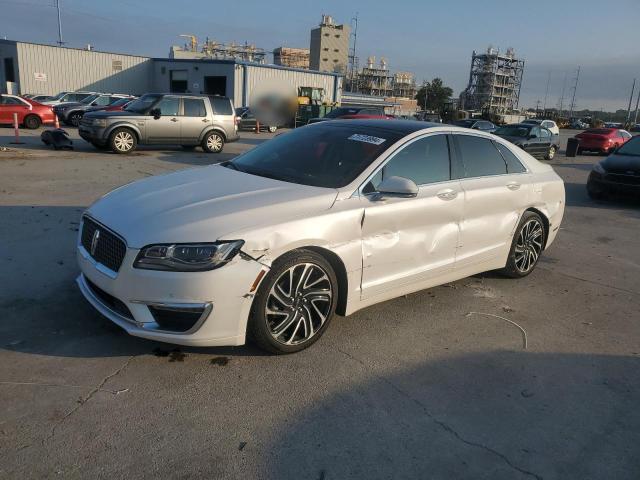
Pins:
<point x="608" y="183"/>
<point x="224" y="294"/>
<point x="93" y="134"/>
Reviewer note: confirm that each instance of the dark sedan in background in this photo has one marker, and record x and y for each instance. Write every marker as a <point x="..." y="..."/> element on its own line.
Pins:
<point x="247" y="121"/>
<point x="618" y="173"/>
<point x="476" y="124"/>
<point x="535" y="140"/>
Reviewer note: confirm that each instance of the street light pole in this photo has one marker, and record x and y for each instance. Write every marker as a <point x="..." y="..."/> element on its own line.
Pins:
<point x="60" y="42"/>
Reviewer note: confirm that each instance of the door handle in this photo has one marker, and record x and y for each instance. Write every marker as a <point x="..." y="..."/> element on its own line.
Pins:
<point x="205" y="120"/>
<point x="447" y="194"/>
<point x="174" y="119"/>
<point x="513" y="185"/>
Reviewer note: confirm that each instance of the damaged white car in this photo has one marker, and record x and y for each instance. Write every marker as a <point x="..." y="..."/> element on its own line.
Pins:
<point x="323" y="220"/>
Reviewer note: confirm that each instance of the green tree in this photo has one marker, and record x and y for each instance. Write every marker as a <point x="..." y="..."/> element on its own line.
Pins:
<point x="433" y="95"/>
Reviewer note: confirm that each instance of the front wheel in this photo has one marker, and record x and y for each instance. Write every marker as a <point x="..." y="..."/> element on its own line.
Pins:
<point x="295" y="303"/>
<point x="213" y="142"/>
<point x="551" y="153"/>
<point x="123" y="140"/>
<point x="74" y="119"/>
<point x="32" y="122"/>
<point x="526" y="247"/>
<point x="272" y="129"/>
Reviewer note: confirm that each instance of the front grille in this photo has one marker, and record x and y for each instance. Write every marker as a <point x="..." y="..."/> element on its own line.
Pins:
<point x="176" y="319"/>
<point x="110" y="301"/>
<point x="109" y="248"/>
<point x="623" y="179"/>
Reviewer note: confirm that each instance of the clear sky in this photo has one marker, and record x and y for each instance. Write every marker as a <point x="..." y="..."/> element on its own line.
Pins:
<point x="430" y="38"/>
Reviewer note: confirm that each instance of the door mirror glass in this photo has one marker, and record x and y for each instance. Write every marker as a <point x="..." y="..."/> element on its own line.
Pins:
<point x="155" y="113"/>
<point x="398" y="187"/>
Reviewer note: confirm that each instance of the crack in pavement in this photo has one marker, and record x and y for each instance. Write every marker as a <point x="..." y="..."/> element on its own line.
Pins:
<point x="447" y="428"/>
<point x="88" y="397"/>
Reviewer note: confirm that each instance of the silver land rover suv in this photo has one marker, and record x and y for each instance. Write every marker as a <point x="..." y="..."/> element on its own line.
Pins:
<point x="164" y="119"/>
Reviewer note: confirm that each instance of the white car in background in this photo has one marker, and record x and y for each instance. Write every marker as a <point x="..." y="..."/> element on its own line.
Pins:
<point x="329" y="218"/>
<point x="548" y="124"/>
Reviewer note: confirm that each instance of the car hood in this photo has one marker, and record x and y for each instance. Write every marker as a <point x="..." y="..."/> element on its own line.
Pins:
<point x="624" y="164"/>
<point x="203" y="205"/>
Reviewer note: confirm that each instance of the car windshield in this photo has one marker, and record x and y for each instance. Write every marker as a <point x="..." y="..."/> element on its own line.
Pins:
<point x="323" y="155"/>
<point x="339" y="112"/>
<point x="142" y="104"/>
<point x="631" y="148"/>
<point x="89" y="99"/>
<point x="513" y="131"/>
<point x="58" y="96"/>
<point x="120" y="101"/>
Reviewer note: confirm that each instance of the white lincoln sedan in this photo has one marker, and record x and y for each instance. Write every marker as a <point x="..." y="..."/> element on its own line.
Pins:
<point x="326" y="219"/>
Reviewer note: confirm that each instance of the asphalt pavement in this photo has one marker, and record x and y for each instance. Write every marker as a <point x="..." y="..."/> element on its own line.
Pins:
<point x="433" y="385"/>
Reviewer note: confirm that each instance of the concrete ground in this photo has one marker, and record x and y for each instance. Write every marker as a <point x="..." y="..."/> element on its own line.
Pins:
<point x="416" y="387"/>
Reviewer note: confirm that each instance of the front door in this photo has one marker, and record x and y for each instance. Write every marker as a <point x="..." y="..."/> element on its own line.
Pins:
<point x="407" y="240"/>
<point x="166" y="129"/>
<point x="493" y="200"/>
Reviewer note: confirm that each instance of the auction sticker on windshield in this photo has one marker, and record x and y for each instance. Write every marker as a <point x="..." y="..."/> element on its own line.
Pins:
<point x="367" y="139"/>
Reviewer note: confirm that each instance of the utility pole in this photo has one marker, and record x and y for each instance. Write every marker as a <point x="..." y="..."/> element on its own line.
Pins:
<point x="538" y="108"/>
<point x="633" y="88"/>
<point x="635" y="117"/>
<point x="60" y="42"/>
<point x="564" y="86"/>
<point x="573" y="99"/>
<point x="546" y="94"/>
<point x="353" y="60"/>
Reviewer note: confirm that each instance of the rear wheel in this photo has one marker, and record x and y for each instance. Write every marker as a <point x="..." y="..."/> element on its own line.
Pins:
<point x="295" y="303"/>
<point x="123" y="140"/>
<point x="526" y="247"/>
<point x="32" y="122"/>
<point x="213" y="142"/>
<point x="272" y="129"/>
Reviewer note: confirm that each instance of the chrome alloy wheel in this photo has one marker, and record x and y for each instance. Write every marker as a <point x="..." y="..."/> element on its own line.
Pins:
<point x="298" y="304"/>
<point x="529" y="245"/>
<point x="123" y="141"/>
<point x="214" y="143"/>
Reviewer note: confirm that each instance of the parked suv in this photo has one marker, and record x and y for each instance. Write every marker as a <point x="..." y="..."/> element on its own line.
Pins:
<point x="164" y="119"/>
<point x="64" y="97"/>
<point x="71" y="112"/>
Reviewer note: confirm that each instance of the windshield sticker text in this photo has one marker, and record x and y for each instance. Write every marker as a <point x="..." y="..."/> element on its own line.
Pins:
<point x="367" y="139"/>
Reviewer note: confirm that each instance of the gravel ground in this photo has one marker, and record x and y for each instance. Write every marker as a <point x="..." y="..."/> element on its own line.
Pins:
<point x="412" y="388"/>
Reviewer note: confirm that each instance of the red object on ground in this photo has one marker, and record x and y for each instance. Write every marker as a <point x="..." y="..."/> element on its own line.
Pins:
<point x="602" y="139"/>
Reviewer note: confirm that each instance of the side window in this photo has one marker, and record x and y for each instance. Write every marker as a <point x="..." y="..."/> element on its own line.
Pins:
<point x="11" y="101"/>
<point x="169" y="106"/>
<point x="221" y="106"/>
<point x="480" y="157"/>
<point x="544" y="133"/>
<point x="194" y="107"/>
<point x="423" y="161"/>
<point x="513" y="164"/>
<point x="102" y="101"/>
<point x="535" y="132"/>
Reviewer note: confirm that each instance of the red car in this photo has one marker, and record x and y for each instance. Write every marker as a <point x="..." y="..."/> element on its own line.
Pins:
<point x="31" y="114"/>
<point x="602" y="140"/>
<point x="353" y="113"/>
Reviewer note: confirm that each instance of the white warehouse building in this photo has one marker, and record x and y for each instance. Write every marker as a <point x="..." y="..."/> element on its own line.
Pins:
<point x="46" y="69"/>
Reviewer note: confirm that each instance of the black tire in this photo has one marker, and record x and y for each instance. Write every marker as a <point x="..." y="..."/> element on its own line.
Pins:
<point x="551" y="153"/>
<point x="32" y="122"/>
<point x="262" y="325"/>
<point x="514" y="267"/>
<point x="595" y="194"/>
<point x="74" y="119"/>
<point x="579" y="152"/>
<point x="213" y="142"/>
<point x="123" y="141"/>
<point x="188" y="147"/>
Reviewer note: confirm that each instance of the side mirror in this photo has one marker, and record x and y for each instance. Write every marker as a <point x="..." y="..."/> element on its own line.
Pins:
<point x="155" y="112"/>
<point x="397" y="187"/>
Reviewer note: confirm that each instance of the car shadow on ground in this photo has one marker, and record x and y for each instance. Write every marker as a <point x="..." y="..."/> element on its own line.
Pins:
<point x="516" y="415"/>
<point x="576" y="196"/>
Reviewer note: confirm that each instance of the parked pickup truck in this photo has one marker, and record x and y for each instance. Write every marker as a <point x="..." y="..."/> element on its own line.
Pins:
<point x="163" y="119"/>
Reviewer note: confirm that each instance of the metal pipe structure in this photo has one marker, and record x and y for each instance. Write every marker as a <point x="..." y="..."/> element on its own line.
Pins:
<point x="60" y="42"/>
<point x="633" y="88"/>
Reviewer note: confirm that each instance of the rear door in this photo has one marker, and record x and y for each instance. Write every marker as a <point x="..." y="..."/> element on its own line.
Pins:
<point x="545" y="141"/>
<point x="407" y="240"/>
<point x="166" y="129"/>
<point x="193" y="120"/>
<point x="494" y="197"/>
<point x="223" y="114"/>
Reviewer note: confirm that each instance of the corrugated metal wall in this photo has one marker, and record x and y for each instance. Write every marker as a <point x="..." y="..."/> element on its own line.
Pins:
<point x="60" y="69"/>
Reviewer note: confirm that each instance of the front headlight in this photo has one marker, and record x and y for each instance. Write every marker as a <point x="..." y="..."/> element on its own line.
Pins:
<point x="99" y="122"/>
<point x="599" y="169"/>
<point x="187" y="257"/>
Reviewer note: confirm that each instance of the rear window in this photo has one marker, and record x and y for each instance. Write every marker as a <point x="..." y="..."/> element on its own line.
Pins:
<point x="221" y="106"/>
<point x="194" y="107"/>
<point x="339" y="112"/>
<point x="513" y="164"/>
<point x="322" y="155"/>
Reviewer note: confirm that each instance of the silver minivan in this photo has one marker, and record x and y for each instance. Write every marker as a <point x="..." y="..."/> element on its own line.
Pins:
<point x="207" y="121"/>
